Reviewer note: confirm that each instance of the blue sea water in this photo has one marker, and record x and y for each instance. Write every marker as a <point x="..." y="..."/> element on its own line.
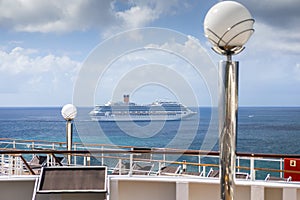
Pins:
<point x="260" y="129"/>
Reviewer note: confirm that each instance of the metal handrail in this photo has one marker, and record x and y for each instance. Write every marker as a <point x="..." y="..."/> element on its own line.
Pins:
<point x="103" y="150"/>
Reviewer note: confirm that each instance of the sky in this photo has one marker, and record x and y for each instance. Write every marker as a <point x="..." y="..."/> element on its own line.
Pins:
<point x="61" y="51"/>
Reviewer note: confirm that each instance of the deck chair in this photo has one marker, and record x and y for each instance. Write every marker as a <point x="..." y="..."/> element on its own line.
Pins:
<point x="242" y="175"/>
<point x="186" y="173"/>
<point x="142" y="168"/>
<point x="58" y="160"/>
<point x="36" y="163"/>
<point x="122" y="168"/>
<point x="213" y="173"/>
<point x="239" y="175"/>
<point x="169" y="170"/>
<point x="274" y="178"/>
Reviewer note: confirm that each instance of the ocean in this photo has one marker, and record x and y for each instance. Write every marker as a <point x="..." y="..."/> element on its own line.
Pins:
<point x="260" y="129"/>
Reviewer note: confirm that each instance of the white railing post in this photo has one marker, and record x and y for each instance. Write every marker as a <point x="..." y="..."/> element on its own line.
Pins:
<point x="159" y="167"/>
<point x="48" y="160"/>
<point x="2" y="164"/>
<point x="102" y="156"/>
<point x="11" y="164"/>
<point x="120" y="166"/>
<point x="281" y="167"/>
<point x="75" y="157"/>
<point x="131" y="164"/>
<point x="18" y="166"/>
<point x="32" y="147"/>
<point x="238" y="163"/>
<point x="199" y="162"/>
<point x="89" y="160"/>
<point x="252" y="169"/>
<point x="16" y="170"/>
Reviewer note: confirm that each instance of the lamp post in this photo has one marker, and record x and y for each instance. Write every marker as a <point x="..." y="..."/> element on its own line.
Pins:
<point x="69" y="112"/>
<point x="228" y="25"/>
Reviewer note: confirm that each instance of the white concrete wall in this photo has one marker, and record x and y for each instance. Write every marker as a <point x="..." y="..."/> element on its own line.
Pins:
<point x="203" y="191"/>
<point x="143" y="190"/>
<point x="162" y="188"/>
<point x="16" y="189"/>
<point x="179" y="188"/>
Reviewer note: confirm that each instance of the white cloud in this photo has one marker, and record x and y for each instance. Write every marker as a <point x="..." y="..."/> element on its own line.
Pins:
<point x="272" y="39"/>
<point x="20" y="60"/>
<point x="162" y="7"/>
<point x="137" y="16"/>
<point x="276" y="12"/>
<point x="48" y="77"/>
<point x="54" y="16"/>
<point x="268" y="68"/>
<point x="276" y="25"/>
<point x="133" y="69"/>
<point x="269" y="61"/>
<point x="80" y="15"/>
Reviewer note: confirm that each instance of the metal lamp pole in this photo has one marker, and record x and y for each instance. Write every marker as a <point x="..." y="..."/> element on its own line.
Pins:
<point x="69" y="134"/>
<point x="228" y="110"/>
<point x="228" y="25"/>
<point x="69" y="112"/>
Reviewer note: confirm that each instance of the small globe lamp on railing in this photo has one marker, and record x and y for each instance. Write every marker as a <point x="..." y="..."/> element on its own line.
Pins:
<point x="69" y="112"/>
<point x="228" y="25"/>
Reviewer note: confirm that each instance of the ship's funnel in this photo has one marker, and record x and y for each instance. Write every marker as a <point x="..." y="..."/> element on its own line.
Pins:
<point x="126" y="98"/>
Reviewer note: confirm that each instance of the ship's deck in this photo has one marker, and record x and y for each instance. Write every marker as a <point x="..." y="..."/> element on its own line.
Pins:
<point x="149" y="173"/>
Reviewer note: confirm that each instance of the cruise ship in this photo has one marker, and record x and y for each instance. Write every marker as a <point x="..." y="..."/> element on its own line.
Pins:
<point x="129" y="111"/>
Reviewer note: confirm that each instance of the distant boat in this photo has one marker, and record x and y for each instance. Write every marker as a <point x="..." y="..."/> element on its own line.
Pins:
<point x="128" y="111"/>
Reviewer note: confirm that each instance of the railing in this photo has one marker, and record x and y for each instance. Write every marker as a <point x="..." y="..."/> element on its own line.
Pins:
<point x="16" y="157"/>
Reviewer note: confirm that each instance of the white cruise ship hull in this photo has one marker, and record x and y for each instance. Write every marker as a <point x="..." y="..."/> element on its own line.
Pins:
<point x="116" y="118"/>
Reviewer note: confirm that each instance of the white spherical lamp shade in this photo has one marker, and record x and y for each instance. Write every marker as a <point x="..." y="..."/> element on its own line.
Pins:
<point x="69" y="112"/>
<point x="228" y="24"/>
